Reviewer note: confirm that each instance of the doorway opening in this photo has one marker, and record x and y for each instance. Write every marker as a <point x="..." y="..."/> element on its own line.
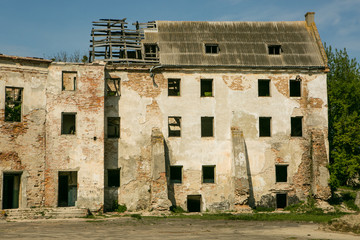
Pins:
<point x="67" y="195"/>
<point x="11" y="190"/>
<point x="281" y="200"/>
<point x="194" y="203"/>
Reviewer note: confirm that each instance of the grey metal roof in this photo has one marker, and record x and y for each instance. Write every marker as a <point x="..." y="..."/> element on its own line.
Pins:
<point x="240" y="44"/>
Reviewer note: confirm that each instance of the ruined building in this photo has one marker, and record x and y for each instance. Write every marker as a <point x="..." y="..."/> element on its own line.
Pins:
<point x="202" y="115"/>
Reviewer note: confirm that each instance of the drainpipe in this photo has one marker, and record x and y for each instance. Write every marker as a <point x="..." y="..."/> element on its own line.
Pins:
<point x="152" y="75"/>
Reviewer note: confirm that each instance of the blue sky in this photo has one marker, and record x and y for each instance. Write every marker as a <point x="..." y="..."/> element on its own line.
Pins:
<point x="39" y="28"/>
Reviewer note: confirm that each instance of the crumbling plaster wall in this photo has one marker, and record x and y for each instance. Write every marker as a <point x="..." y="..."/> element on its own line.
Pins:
<point x="84" y="151"/>
<point x="22" y="144"/>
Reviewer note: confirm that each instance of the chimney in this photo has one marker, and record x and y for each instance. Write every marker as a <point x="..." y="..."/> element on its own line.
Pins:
<point x="310" y="18"/>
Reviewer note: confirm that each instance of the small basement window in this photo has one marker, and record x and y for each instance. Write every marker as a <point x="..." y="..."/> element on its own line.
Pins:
<point x="274" y="49"/>
<point x="296" y="126"/>
<point x="173" y="87"/>
<point x="208" y="174"/>
<point x="113" y="177"/>
<point x="211" y="48"/>
<point x="113" y="127"/>
<point x="68" y="123"/>
<point x="151" y="51"/>
<point x="295" y="88"/>
<point x="113" y="87"/>
<point x="174" y="126"/>
<point x="194" y="203"/>
<point x="176" y="174"/>
<point x="264" y="126"/>
<point x="281" y="200"/>
<point x="281" y="173"/>
<point x="206" y="88"/>
<point x="69" y="81"/>
<point x="207" y="126"/>
<point x="264" y="87"/>
<point x="13" y="104"/>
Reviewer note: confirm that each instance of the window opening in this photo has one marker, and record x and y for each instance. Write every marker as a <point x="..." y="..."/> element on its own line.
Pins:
<point x="113" y="87"/>
<point x="113" y="177"/>
<point x="274" y="49"/>
<point x="296" y="126"/>
<point x="295" y="88"/>
<point x="173" y="87"/>
<point x="211" y="48"/>
<point x="208" y="174"/>
<point x="281" y="200"/>
<point x="113" y="127"/>
<point x="151" y="51"/>
<point x="264" y="87"/>
<point x="69" y="81"/>
<point x="11" y="190"/>
<point x="281" y="173"/>
<point x="194" y="203"/>
<point x="206" y="87"/>
<point x="67" y="195"/>
<point x="176" y="174"/>
<point x="174" y="126"/>
<point x="207" y="126"/>
<point x="264" y="126"/>
<point x="13" y="104"/>
<point x="68" y="122"/>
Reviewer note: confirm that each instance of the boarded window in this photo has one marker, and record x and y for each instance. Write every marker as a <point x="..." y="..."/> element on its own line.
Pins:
<point x="113" y="127"/>
<point x="208" y="174"/>
<point x="13" y="104"/>
<point x="173" y="87"/>
<point x="264" y="126"/>
<point x="296" y="126"/>
<point x="281" y="200"/>
<point x="69" y="81"/>
<point x="113" y="87"/>
<point x="207" y="126"/>
<point x="113" y="177"/>
<point x="264" y="87"/>
<point x="295" y="88"/>
<point x="211" y="48"/>
<point x="67" y="194"/>
<point x="176" y="174"/>
<point x="174" y="124"/>
<point x="68" y="123"/>
<point x="206" y="88"/>
<point x="151" y="51"/>
<point x="274" y="49"/>
<point x="281" y="173"/>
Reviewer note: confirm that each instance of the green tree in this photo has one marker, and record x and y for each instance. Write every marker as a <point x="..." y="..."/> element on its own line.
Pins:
<point x="344" y="118"/>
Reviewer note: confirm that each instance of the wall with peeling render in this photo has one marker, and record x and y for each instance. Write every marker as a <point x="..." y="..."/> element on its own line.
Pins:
<point x="145" y="105"/>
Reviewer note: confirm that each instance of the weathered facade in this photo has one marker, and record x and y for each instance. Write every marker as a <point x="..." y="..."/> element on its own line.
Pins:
<point x="204" y="115"/>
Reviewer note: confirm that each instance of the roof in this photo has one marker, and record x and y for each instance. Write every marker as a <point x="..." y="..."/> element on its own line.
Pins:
<point x="243" y="44"/>
<point x="9" y="57"/>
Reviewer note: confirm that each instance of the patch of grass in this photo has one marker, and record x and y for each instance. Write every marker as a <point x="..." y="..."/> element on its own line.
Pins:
<point x="92" y="221"/>
<point x="116" y="207"/>
<point x="137" y="216"/>
<point x="349" y="200"/>
<point x="177" y="209"/>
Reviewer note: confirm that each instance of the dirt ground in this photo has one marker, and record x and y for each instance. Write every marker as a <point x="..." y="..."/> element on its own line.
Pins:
<point x="163" y="228"/>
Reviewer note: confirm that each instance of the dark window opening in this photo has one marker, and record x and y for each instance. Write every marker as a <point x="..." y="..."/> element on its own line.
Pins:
<point x="151" y="51"/>
<point x="194" y="203"/>
<point x="67" y="195"/>
<point x="208" y="173"/>
<point x="113" y="177"/>
<point x="130" y="54"/>
<point x="113" y="127"/>
<point x="281" y="200"/>
<point x="13" y="103"/>
<point x="264" y="87"/>
<point x="11" y="190"/>
<point x="296" y="126"/>
<point x="174" y="126"/>
<point x="176" y="174"/>
<point x="69" y="81"/>
<point x="274" y="49"/>
<point x="295" y="88"/>
<point x="68" y="123"/>
<point x="211" y="48"/>
<point x="281" y="173"/>
<point x="264" y="126"/>
<point x="113" y="87"/>
<point x="207" y="126"/>
<point x="173" y="87"/>
<point x="206" y="87"/>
